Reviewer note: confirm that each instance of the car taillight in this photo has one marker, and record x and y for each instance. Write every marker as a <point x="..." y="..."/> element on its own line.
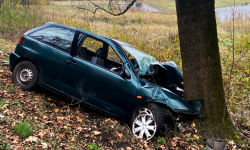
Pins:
<point x="21" y="40"/>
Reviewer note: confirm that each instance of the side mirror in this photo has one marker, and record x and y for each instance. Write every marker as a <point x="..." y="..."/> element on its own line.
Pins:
<point x="126" y="74"/>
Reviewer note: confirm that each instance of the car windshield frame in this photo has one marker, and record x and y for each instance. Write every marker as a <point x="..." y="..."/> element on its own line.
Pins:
<point x="144" y="60"/>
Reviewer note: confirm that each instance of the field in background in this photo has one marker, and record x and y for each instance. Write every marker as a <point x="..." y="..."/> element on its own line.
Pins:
<point x="169" y="5"/>
<point x="153" y="33"/>
<point x="165" y="5"/>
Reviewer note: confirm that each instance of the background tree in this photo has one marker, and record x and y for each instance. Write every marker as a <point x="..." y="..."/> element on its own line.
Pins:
<point x="1" y="1"/>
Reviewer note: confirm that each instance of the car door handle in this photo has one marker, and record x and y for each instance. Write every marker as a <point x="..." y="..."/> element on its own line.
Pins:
<point x="71" y="62"/>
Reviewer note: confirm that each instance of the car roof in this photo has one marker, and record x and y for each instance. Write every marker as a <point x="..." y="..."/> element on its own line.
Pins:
<point x="59" y="25"/>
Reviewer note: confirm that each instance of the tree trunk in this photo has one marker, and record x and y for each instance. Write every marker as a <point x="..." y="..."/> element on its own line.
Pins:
<point x="201" y="65"/>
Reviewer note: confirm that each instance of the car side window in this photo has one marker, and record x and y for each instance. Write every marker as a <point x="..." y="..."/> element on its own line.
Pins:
<point x="56" y="36"/>
<point x="92" y="44"/>
<point x="113" y="56"/>
<point x="100" y="53"/>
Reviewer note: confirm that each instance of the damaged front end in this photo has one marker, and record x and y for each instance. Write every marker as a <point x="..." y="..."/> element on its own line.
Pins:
<point x="162" y="82"/>
<point x="162" y="95"/>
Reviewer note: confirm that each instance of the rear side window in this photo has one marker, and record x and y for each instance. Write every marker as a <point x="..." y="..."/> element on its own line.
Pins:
<point x="56" y="36"/>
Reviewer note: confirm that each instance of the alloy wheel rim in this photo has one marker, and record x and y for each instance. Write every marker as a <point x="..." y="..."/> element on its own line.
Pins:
<point x="144" y="111"/>
<point x="25" y="76"/>
<point x="144" y="126"/>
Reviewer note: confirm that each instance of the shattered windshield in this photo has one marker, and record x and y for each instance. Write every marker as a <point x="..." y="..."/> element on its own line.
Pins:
<point x="144" y="60"/>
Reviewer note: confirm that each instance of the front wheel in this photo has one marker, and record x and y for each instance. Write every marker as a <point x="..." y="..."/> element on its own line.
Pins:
<point x="25" y="74"/>
<point x="147" y="121"/>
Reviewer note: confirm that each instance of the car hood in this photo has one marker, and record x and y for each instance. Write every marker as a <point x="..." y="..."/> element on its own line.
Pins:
<point x="164" y="95"/>
<point x="173" y="72"/>
<point x="179" y="105"/>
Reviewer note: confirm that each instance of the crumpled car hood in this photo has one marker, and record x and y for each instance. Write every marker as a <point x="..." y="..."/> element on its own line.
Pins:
<point x="176" y="103"/>
<point x="164" y="95"/>
<point x="173" y="72"/>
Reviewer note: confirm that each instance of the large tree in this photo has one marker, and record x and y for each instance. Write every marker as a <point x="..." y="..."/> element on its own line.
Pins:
<point x="201" y="65"/>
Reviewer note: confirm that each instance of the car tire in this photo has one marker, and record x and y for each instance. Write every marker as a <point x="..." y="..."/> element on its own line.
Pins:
<point x="25" y="74"/>
<point x="147" y="120"/>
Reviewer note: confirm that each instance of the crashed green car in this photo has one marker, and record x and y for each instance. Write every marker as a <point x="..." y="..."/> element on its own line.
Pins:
<point x="105" y="74"/>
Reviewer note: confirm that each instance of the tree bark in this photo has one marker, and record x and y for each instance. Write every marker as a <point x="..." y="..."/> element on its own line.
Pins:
<point x="201" y="65"/>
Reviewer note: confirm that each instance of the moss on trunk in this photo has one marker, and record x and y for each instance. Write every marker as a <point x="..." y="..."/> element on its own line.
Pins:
<point x="201" y="65"/>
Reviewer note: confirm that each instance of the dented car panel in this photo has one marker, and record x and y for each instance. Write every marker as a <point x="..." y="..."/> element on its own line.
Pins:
<point x="99" y="82"/>
<point x="164" y="96"/>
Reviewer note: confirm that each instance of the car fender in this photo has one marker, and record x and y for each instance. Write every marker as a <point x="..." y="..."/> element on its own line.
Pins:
<point x="157" y="94"/>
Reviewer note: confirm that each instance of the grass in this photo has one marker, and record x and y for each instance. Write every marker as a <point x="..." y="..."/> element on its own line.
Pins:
<point x="2" y="103"/>
<point x="226" y="3"/>
<point x="169" y="5"/>
<point x="23" y="129"/>
<point x="93" y="146"/>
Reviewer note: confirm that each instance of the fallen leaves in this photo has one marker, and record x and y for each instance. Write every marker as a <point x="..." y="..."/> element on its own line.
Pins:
<point x="62" y="136"/>
<point x="42" y="133"/>
<point x="118" y="135"/>
<point x="174" y="141"/>
<point x="31" y="139"/>
<point x="97" y="132"/>
<point x="56" y="110"/>
<point x="7" y="112"/>
<point x="44" y="145"/>
<point x="79" y="119"/>
<point x="21" y="115"/>
<point x="116" y="121"/>
<point x="53" y="121"/>
<point x="128" y="148"/>
<point x="5" y="106"/>
<point x="196" y="137"/>
<point x="15" y="139"/>
<point x="193" y="124"/>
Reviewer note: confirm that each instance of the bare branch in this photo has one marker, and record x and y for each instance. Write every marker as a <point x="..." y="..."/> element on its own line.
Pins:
<point x="121" y="12"/>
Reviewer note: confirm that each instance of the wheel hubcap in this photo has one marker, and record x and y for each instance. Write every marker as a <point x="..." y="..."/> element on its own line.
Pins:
<point x="144" y="111"/>
<point x="144" y="126"/>
<point x="25" y="76"/>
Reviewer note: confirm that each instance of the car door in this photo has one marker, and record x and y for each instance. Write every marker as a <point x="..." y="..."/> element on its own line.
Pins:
<point x="99" y="86"/>
<point x="54" y="45"/>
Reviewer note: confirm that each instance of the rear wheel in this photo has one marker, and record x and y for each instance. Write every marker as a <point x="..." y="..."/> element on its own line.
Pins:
<point x="147" y="121"/>
<point x="25" y="74"/>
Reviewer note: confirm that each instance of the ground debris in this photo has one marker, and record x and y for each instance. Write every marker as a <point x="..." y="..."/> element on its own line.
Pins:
<point x="55" y="124"/>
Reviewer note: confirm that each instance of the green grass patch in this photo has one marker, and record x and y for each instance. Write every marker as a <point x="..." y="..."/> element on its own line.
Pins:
<point x="23" y="129"/>
<point x="161" y="140"/>
<point x="2" y="103"/>
<point x="11" y="89"/>
<point x="227" y="3"/>
<point x="93" y="146"/>
<point x="169" y="5"/>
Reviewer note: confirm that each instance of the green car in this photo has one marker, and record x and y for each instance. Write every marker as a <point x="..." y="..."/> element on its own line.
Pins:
<point x="105" y="74"/>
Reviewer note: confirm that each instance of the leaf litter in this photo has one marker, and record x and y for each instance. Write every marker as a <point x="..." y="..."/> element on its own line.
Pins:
<point x="58" y="125"/>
